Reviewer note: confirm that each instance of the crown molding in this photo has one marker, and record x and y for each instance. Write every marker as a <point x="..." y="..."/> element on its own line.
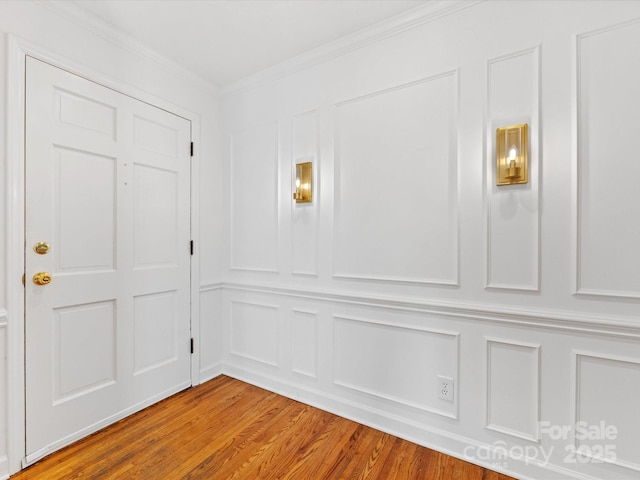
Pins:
<point x="412" y="18"/>
<point x="108" y="32"/>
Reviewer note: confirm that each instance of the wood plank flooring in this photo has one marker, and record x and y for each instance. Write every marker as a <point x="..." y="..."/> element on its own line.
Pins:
<point x="227" y="429"/>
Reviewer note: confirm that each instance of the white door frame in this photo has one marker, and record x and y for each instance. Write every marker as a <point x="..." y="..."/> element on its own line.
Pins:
<point x="19" y="49"/>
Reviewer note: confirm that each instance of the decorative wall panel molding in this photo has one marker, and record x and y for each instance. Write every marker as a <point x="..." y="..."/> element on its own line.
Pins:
<point x="512" y="211"/>
<point x="5" y="398"/>
<point x="210" y="287"/>
<point x="254" y="331"/>
<point x="608" y="198"/>
<point x="367" y="360"/>
<point x="607" y="389"/>
<point x="513" y="388"/>
<point x="210" y="338"/>
<point x="305" y="216"/>
<point x="254" y="199"/>
<point x="396" y="161"/>
<point x="304" y="348"/>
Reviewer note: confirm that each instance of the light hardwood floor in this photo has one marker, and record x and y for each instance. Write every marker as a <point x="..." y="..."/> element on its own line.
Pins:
<point x="227" y="429"/>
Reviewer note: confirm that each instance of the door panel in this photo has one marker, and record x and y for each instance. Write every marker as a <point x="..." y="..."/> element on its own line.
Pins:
<point x="84" y="194"/>
<point x="155" y="324"/>
<point x="73" y="376"/>
<point x="156" y="192"/>
<point x="108" y="187"/>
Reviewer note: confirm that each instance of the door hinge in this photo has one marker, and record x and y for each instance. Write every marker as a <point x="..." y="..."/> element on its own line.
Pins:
<point x="191" y="246"/>
<point x="24" y="276"/>
<point x="191" y="345"/>
<point x="192" y="149"/>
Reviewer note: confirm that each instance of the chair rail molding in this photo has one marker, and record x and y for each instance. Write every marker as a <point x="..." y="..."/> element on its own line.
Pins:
<point x="560" y="320"/>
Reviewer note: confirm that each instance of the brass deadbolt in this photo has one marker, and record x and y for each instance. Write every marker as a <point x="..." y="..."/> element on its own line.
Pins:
<point x="41" y="248"/>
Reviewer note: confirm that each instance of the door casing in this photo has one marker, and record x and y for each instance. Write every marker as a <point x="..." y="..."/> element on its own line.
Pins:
<point x="18" y="50"/>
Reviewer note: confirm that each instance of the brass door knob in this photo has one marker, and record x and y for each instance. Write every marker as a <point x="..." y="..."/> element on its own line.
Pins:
<point x="42" y="278"/>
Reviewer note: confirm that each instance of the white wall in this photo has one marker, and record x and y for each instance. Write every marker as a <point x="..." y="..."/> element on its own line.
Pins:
<point x="108" y="58"/>
<point x="410" y="263"/>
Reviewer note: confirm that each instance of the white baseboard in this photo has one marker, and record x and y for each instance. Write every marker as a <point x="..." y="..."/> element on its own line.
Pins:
<point x="4" y="467"/>
<point x="433" y="438"/>
<point x="210" y="372"/>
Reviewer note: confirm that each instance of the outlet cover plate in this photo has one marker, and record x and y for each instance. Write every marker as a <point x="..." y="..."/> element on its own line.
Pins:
<point x="445" y="388"/>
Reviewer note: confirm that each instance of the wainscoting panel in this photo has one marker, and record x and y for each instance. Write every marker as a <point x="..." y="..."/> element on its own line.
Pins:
<point x="254" y="331"/>
<point x="607" y="393"/>
<point x="397" y="363"/>
<point x="254" y="199"/>
<point x="376" y="361"/>
<point x="4" y="393"/>
<point x="210" y="341"/>
<point x="396" y="166"/>
<point x="305" y="342"/>
<point x="513" y="245"/>
<point x="513" y="388"/>
<point x="304" y="216"/>
<point x="607" y="171"/>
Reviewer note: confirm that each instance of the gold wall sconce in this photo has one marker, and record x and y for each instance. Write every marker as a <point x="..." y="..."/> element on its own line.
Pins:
<point x="304" y="178"/>
<point x="512" y="162"/>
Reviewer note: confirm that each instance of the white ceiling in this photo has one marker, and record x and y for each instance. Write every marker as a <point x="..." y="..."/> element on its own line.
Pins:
<point x="223" y="41"/>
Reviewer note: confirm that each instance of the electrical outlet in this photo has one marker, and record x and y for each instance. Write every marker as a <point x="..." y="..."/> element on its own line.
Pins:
<point x="445" y="388"/>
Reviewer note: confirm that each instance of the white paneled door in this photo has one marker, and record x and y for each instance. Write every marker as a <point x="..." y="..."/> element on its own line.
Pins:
<point x="108" y="190"/>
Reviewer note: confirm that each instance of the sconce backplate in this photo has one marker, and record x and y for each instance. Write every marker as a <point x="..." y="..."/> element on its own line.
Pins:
<point x="515" y="175"/>
<point x="304" y="176"/>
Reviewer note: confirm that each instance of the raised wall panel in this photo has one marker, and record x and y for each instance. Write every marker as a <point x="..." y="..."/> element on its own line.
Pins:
<point x="513" y="244"/>
<point x="85" y="211"/>
<point x="156" y="226"/>
<point x="304" y="216"/>
<point x="254" y="199"/>
<point x="305" y="342"/>
<point x="607" y="390"/>
<point x="396" y="214"/>
<point x="84" y="349"/>
<point x="155" y="323"/>
<point x="395" y="362"/>
<point x="4" y="390"/>
<point x="608" y="75"/>
<point x="513" y="388"/>
<point x="211" y="338"/>
<point x="254" y="331"/>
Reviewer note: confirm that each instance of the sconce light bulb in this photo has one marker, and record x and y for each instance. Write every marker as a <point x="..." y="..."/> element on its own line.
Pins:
<point x="513" y="153"/>
<point x="297" y="183"/>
